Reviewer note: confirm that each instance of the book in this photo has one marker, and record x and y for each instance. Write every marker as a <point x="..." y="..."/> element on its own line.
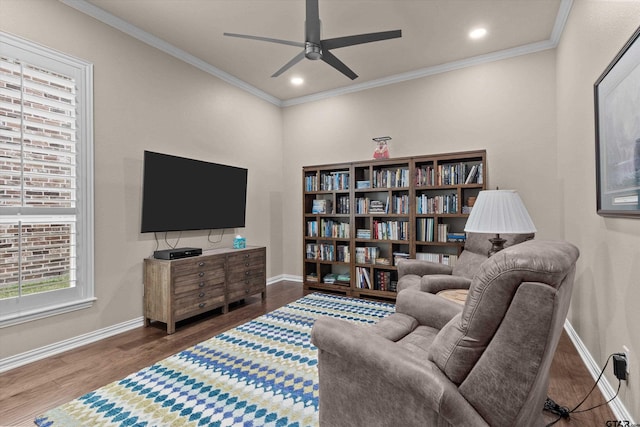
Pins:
<point x="321" y="206"/>
<point x="472" y="175"/>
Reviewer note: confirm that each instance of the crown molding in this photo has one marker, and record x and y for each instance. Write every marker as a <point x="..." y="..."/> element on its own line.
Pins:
<point x="424" y="72"/>
<point x="135" y="32"/>
<point x="552" y="43"/>
<point x="115" y="22"/>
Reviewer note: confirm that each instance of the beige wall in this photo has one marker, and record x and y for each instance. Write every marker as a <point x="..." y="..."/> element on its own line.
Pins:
<point x="605" y="306"/>
<point x="145" y="99"/>
<point x="506" y="107"/>
<point x="533" y="114"/>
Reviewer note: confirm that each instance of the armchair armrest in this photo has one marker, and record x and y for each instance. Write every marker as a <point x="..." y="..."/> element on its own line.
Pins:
<point x="428" y="309"/>
<point x="355" y="362"/>
<point x="435" y="283"/>
<point x="421" y="268"/>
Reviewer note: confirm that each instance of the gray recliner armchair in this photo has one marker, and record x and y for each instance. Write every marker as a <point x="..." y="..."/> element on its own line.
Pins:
<point x="437" y="363"/>
<point x="434" y="277"/>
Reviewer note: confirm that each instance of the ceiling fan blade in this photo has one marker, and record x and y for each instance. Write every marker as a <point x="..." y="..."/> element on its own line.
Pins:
<point x="331" y="59"/>
<point x="312" y="23"/>
<point x="359" y="39"/>
<point x="265" y="39"/>
<point x="299" y="57"/>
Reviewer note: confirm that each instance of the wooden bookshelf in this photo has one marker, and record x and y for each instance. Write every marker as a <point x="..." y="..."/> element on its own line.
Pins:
<point x="359" y="217"/>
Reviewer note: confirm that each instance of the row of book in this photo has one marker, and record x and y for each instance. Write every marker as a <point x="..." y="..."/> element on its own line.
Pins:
<point x="382" y="280"/>
<point x="367" y="254"/>
<point x="362" y="278"/>
<point x="328" y="252"/>
<point x="334" y="181"/>
<point x="426" y="175"/>
<point x="391" y="230"/>
<point x="399" y="205"/>
<point x="391" y="178"/>
<point x="449" y="174"/>
<point x="328" y="228"/>
<point x="364" y="205"/>
<point x="325" y="206"/>
<point x="446" y="259"/>
<point x="440" y="204"/>
<point x="459" y="173"/>
<point x="343" y="206"/>
<point x="425" y="232"/>
<point x="331" y="181"/>
<point x="425" y="229"/>
<point x="311" y="183"/>
<point x="334" y="229"/>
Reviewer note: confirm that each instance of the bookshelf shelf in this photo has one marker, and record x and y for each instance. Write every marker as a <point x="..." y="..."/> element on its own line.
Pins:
<point x="422" y="199"/>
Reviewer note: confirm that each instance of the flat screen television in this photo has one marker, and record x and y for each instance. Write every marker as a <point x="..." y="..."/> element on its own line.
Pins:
<point x="186" y="194"/>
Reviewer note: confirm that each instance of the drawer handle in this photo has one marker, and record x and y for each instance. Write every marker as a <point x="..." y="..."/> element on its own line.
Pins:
<point x="246" y="291"/>
<point x="201" y="294"/>
<point x="201" y="305"/>
<point x="201" y="285"/>
<point x="201" y="274"/>
<point x="246" y="256"/>
<point x="201" y="263"/>
<point x="246" y="282"/>
<point x="246" y="264"/>
<point x="247" y="273"/>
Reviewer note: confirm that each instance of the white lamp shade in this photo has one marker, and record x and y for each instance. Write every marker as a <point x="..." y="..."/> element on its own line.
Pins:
<point x="499" y="211"/>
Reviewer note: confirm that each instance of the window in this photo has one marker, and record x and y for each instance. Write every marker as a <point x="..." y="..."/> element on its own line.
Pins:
<point x="46" y="182"/>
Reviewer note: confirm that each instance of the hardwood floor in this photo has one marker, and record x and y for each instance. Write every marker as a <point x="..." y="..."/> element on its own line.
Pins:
<point x="29" y="391"/>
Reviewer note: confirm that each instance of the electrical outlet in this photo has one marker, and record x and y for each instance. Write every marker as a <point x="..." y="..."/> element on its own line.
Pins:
<point x="626" y="355"/>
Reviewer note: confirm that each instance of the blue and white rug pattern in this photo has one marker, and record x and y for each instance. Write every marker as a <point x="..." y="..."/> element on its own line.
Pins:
<point x="262" y="373"/>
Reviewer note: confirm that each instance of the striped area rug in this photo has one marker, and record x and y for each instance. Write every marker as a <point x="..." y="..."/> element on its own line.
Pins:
<point x="262" y="373"/>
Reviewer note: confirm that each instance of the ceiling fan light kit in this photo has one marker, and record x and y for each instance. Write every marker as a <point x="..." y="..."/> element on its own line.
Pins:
<point x="315" y="48"/>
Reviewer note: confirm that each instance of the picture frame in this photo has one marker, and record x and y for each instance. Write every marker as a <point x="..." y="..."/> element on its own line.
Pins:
<point x="617" y="126"/>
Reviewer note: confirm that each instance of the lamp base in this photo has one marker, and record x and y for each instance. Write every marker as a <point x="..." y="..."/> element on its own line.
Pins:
<point x="497" y="245"/>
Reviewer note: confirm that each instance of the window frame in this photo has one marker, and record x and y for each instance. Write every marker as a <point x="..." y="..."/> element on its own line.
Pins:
<point x="27" y="308"/>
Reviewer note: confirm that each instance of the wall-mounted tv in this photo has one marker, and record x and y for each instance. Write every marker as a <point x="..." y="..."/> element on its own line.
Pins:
<point x="186" y="194"/>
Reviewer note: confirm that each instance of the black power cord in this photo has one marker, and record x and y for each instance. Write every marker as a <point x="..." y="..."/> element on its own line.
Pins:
<point x="564" y="412"/>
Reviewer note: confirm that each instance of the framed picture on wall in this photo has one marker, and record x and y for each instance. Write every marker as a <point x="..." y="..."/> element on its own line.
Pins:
<point x="617" y="119"/>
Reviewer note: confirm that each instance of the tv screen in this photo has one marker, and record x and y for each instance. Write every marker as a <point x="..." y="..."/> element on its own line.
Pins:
<point x="186" y="194"/>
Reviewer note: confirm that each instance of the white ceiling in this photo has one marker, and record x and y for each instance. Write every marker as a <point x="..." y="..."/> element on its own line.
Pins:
<point x="434" y="37"/>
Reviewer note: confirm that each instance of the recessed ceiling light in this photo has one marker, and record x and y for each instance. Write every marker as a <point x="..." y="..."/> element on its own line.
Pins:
<point x="297" y="81"/>
<point x="478" y="33"/>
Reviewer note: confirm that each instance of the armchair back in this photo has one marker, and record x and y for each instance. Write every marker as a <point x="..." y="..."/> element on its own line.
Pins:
<point x="476" y="248"/>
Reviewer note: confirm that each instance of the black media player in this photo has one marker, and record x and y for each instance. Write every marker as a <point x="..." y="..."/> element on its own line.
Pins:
<point x="177" y="253"/>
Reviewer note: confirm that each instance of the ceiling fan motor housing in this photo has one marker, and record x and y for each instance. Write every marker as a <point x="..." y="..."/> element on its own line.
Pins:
<point x="312" y="50"/>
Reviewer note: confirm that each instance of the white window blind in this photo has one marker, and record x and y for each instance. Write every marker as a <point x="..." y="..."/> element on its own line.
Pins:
<point x="46" y="182"/>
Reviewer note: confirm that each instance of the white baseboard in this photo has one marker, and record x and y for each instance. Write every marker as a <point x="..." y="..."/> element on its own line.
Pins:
<point x="284" y="277"/>
<point x="30" y="356"/>
<point x="617" y="407"/>
<point x="69" y="344"/>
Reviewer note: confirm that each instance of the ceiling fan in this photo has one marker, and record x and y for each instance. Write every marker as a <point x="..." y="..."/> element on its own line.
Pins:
<point x="315" y="48"/>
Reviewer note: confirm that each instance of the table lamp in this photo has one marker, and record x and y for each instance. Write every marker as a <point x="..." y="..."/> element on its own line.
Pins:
<point x="496" y="212"/>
